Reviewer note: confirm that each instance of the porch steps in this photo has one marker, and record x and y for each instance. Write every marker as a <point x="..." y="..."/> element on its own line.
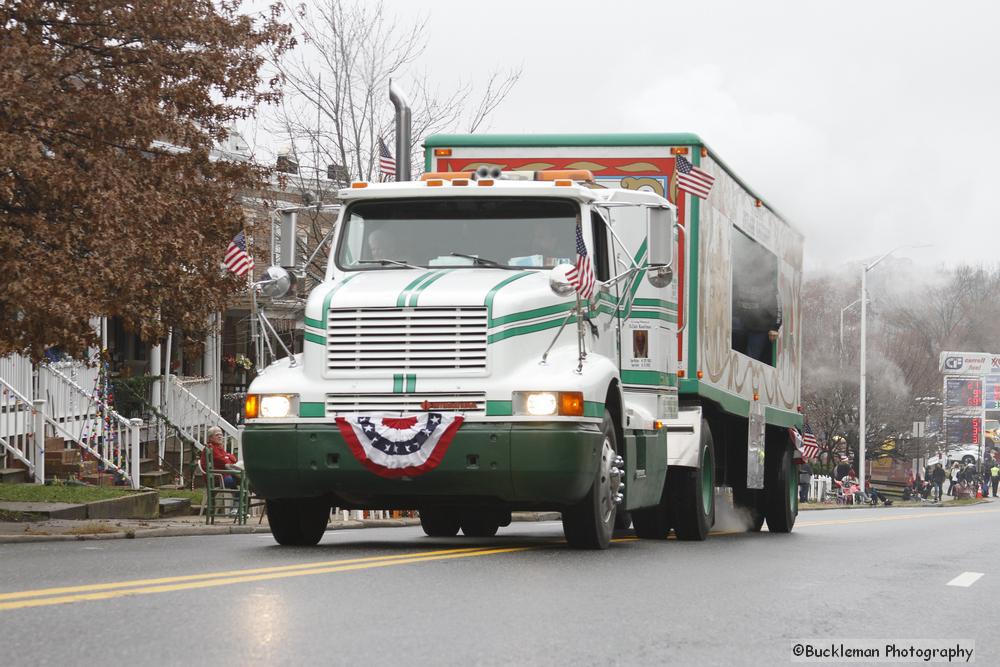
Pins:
<point x="13" y="476"/>
<point x="174" y="507"/>
<point x="155" y="478"/>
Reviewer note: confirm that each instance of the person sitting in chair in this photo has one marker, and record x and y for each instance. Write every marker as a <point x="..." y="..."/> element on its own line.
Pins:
<point x="221" y="459"/>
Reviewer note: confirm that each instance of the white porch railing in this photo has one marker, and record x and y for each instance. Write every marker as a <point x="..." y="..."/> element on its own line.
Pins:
<point x="75" y="414"/>
<point x="191" y="415"/>
<point x="20" y="429"/>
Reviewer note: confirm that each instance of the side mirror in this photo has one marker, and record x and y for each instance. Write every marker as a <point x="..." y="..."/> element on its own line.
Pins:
<point x="558" y="280"/>
<point x="276" y="282"/>
<point x="660" y="236"/>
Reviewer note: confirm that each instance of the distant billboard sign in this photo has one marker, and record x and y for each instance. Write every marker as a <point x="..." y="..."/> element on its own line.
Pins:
<point x="974" y="363"/>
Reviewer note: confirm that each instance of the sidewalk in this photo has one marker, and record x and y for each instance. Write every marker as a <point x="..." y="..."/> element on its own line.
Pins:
<point x="61" y="530"/>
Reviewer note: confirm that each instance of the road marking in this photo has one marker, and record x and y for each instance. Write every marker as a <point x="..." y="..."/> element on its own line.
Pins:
<point x="304" y="570"/>
<point x="965" y="579"/>
<point x="228" y="574"/>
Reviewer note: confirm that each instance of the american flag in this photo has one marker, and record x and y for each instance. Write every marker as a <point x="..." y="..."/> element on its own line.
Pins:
<point x="810" y="449"/>
<point x="581" y="276"/>
<point x="386" y="163"/>
<point x="238" y="260"/>
<point x="692" y="179"/>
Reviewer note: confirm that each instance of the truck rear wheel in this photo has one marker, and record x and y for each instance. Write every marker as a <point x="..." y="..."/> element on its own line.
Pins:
<point x="589" y="523"/>
<point x="781" y="489"/>
<point x="693" y="495"/>
<point x="439" y="522"/>
<point x="298" y="522"/>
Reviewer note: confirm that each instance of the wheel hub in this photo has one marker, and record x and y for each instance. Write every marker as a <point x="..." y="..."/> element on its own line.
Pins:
<point x="611" y="484"/>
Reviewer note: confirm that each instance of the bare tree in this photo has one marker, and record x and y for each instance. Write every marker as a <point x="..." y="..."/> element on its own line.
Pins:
<point x="336" y="107"/>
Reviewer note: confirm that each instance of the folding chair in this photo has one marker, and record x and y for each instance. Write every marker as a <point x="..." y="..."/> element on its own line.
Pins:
<point x="221" y="501"/>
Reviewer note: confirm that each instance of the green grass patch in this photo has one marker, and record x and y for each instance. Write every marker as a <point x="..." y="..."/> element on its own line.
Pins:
<point x="963" y="501"/>
<point x="36" y="493"/>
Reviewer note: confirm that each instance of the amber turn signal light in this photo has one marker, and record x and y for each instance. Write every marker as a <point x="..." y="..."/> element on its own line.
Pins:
<point x="571" y="403"/>
<point x="251" y="406"/>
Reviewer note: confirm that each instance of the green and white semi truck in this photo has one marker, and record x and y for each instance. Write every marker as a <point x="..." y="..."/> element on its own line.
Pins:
<point x="548" y="322"/>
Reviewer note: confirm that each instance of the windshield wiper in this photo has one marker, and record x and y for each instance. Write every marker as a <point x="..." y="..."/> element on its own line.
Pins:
<point x="485" y="261"/>
<point x="384" y="262"/>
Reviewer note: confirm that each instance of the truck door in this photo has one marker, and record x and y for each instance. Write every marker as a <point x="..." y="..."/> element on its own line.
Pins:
<point x="603" y="316"/>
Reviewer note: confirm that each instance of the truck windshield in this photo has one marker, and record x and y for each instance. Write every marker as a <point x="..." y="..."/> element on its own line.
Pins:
<point x="489" y="232"/>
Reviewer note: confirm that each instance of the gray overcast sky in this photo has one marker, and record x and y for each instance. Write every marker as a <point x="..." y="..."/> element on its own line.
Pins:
<point x="868" y="124"/>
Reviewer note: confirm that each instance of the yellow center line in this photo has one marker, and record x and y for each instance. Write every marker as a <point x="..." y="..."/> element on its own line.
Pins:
<point x="242" y="579"/>
<point x="227" y="574"/>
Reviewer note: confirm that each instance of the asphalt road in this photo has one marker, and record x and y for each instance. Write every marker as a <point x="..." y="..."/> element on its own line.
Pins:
<point x="393" y="596"/>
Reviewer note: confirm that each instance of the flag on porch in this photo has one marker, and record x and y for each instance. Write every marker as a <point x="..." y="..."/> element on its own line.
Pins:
<point x="238" y="260"/>
<point x="386" y="163"/>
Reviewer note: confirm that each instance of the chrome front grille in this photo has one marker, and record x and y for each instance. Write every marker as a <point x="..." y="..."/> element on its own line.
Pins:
<point x="408" y="403"/>
<point x="404" y="339"/>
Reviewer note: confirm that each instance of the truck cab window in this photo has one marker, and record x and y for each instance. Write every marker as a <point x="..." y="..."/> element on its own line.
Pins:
<point x="756" y="305"/>
<point x="459" y="232"/>
<point x="600" y="234"/>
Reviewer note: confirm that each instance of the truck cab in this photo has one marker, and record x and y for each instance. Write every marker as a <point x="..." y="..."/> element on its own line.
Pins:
<point x="482" y="343"/>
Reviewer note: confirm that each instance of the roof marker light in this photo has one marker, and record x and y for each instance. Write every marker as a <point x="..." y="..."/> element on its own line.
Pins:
<point x="679" y="150"/>
<point x="459" y="181"/>
<point x="563" y="183"/>
<point x="442" y="152"/>
<point x="359" y="184"/>
<point x="485" y="181"/>
<point x="434" y="182"/>
<point x="446" y="175"/>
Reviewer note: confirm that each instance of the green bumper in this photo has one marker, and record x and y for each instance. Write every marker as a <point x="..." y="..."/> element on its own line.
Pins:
<point x="514" y="465"/>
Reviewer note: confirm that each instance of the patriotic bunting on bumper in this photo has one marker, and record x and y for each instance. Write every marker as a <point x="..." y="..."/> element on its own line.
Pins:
<point x="399" y="446"/>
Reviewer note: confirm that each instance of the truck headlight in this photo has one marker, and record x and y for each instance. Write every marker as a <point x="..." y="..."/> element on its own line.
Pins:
<point x="271" y="406"/>
<point x="548" y="403"/>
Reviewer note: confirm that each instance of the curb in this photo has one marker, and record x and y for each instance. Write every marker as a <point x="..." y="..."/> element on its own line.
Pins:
<point x="190" y="531"/>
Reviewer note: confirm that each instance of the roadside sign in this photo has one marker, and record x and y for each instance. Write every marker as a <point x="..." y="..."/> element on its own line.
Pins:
<point x="962" y="392"/>
<point x="991" y="392"/>
<point x="963" y="431"/>
<point x="969" y="363"/>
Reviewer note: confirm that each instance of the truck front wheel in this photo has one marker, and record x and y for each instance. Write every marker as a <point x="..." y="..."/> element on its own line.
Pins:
<point x="439" y="522"/>
<point x="298" y="522"/>
<point x="693" y="495"/>
<point x="589" y="523"/>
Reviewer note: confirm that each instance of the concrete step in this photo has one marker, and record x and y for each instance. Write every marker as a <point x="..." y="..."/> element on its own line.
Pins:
<point x="13" y="476"/>
<point x="156" y="478"/>
<point x="148" y="465"/>
<point x="174" y="506"/>
<point x="99" y="479"/>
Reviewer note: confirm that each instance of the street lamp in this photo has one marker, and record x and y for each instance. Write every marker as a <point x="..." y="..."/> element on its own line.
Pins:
<point x="842" y="311"/>
<point x="864" y="346"/>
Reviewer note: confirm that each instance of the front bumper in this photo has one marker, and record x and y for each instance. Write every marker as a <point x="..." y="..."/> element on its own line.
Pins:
<point x="517" y="466"/>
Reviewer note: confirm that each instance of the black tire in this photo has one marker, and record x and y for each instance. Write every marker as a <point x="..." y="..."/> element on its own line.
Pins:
<point x="751" y="501"/>
<point x="968" y="458"/>
<point x="781" y="488"/>
<point x="653" y="523"/>
<point x="438" y="522"/>
<point x="479" y="525"/>
<point x="298" y="522"/>
<point x="693" y="492"/>
<point x="589" y="523"/>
